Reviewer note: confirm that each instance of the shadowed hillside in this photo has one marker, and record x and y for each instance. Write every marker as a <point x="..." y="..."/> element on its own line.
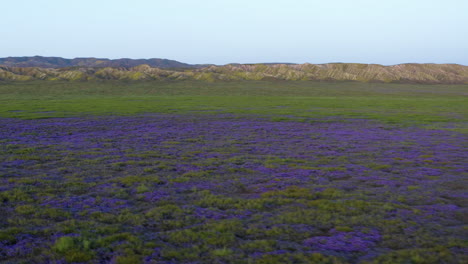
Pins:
<point x="58" y="62"/>
<point x="402" y="73"/>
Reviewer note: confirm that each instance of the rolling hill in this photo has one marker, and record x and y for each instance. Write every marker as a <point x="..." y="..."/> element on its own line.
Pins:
<point x="133" y="70"/>
<point x="58" y="62"/>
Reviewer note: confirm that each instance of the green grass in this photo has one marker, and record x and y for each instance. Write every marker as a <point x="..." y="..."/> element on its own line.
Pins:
<point x="434" y="106"/>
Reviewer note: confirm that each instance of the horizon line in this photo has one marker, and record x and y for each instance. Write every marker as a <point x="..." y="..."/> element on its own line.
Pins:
<point x="234" y="63"/>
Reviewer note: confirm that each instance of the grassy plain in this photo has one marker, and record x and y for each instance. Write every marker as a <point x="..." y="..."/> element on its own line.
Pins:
<point x="436" y="105"/>
<point x="241" y="172"/>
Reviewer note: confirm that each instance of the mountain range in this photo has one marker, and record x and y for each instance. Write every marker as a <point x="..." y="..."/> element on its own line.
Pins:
<point x="58" y="62"/>
<point x="89" y="69"/>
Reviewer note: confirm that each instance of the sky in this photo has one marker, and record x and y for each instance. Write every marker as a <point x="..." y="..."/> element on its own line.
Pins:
<point x="239" y="31"/>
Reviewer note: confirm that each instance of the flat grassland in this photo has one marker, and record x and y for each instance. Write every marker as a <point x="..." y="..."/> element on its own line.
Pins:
<point x="397" y="103"/>
<point x="233" y="172"/>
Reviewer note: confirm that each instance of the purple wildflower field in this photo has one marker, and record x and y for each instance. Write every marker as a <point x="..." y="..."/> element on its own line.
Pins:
<point x="166" y="188"/>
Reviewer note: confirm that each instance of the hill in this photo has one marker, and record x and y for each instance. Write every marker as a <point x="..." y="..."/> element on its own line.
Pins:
<point x="402" y="73"/>
<point x="58" y="62"/>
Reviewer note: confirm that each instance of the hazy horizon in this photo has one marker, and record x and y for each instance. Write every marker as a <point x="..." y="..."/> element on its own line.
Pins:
<point x="224" y="32"/>
<point x="281" y="62"/>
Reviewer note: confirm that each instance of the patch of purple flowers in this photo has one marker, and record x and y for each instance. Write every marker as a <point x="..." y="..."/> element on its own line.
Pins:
<point x="354" y="241"/>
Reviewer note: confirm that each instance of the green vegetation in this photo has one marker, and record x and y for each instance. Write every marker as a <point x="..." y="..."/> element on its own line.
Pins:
<point x="232" y="172"/>
<point x="435" y="105"/>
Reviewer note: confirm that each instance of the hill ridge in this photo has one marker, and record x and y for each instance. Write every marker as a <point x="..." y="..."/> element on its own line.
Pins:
<point x="59" y="62"/>
<point x="400" y="73"/>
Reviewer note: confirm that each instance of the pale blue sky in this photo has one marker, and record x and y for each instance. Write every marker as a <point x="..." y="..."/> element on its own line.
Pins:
<point x="243" y="31"/>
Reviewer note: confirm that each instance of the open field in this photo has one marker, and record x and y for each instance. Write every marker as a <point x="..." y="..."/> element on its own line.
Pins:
<point x="395" y="103"/>
<point x="233" y="172"/>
